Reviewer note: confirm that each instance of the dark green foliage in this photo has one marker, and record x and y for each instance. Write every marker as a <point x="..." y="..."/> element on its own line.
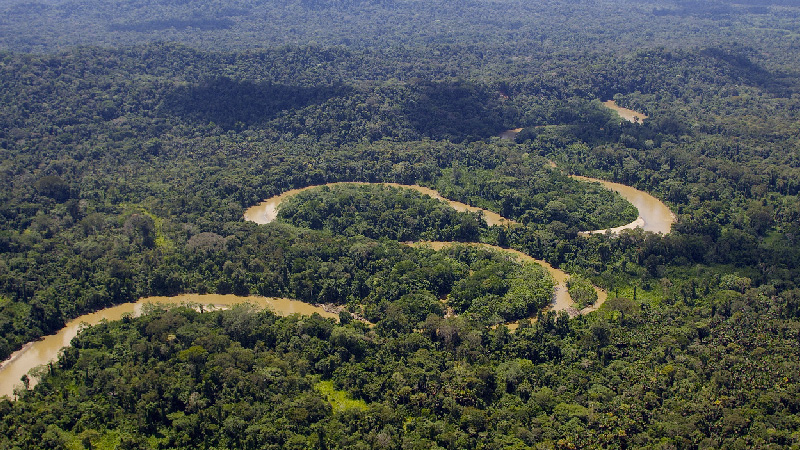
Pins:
<point x="232" y="104"/>
<point x="535" y="196"/>
<point x="446" y="110"/>
<point x="381" y="212"/>
<point x="54" y="187"/>
<point x="199" y="23"/>
<point x="246" y="378"/>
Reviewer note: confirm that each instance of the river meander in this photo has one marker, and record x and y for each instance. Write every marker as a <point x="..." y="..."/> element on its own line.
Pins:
<point x="654" y="216"/>
<point x="46" y="349"/>
<point x="267" y="211"/>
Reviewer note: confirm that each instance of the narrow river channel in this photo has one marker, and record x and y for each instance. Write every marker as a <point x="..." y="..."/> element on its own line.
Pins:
<point x="267" y="211"/>
<point x="654" y="216"/>
<point x="43" y="351"/>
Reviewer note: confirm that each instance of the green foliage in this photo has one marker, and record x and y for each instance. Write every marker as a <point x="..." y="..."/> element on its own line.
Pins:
<point x="454" y="376"/>
<point x="498" y="290"/>
<point x="582" y="291"/>
<point x="378" y="211"/>
<point x="695" y="348"/>
<point x="535" y="196"/>
<point x="339" y="400"/>
<point x="54" y="187"/>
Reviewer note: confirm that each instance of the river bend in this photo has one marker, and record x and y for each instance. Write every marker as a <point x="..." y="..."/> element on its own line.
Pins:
<point x="653" y="216"/>
<point x="40" y="352"/>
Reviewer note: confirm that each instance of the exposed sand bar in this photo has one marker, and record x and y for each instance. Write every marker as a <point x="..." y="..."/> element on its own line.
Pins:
<point x="654" y="215"/>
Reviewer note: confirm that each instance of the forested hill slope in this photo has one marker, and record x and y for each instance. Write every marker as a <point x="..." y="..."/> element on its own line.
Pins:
<point x="507" y="28"/>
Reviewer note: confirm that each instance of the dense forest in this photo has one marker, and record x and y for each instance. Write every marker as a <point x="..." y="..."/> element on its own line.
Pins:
<point x="134" y="135"/>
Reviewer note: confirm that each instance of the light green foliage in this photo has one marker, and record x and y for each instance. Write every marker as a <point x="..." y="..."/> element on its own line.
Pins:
<point x="734" y="282"/>
<point x="582" y="291"/>
<point x="530" y="289"/>
<point x="498" y="289"/>
<point x="339" y="400"/>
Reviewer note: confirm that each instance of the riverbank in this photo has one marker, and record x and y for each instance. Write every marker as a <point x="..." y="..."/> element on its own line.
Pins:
<point x="654" y="215"/>
<point x="47" y="349"/>
<point x="267" y="211"/>
<point x="562" y="301"/>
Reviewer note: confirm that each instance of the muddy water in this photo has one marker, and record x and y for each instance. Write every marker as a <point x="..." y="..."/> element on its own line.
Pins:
<point x="627" y="114"/>
<point x="510" y="135"/>
<point x="561" y="298"/>
<point x="45" y="350"/>
<point x="267" y="211"/>
<point x="654" y="215"/>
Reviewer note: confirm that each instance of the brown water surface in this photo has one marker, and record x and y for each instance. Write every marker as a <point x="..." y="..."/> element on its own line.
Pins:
<point x="654" y="215"/>
<point x="561" y="298"/>
<point x="45" y="350"/>
<point x="627" y="114"/>
<point x="267" y="211"/>
<point x="510" y="135"/>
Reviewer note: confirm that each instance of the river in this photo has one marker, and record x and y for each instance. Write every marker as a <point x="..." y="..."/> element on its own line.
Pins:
<point x="627" y="114"/>
<point x="267" y="211"/>
<point x="511" y="134"/>
<point x="46" y="349"/>
<point x="654" y="215"/>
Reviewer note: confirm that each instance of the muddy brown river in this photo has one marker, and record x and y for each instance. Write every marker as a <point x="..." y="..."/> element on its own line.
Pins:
<point x="653" y="216"/>
<point x="511" y="134"/>
<point x="627" y="114"/>
<point x="267" y="211"/>
<point x="45" y="350"/>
